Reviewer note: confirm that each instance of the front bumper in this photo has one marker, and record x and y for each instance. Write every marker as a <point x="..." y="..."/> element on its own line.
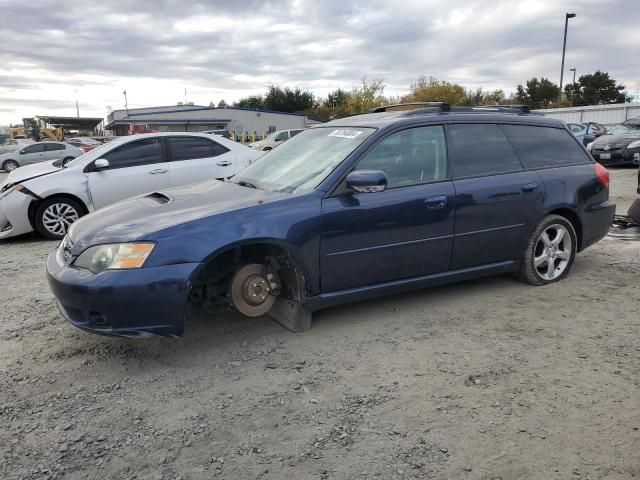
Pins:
<point x="14" y="215"/>
<point x="129" y="303"/>
<point x="622" y="156"/>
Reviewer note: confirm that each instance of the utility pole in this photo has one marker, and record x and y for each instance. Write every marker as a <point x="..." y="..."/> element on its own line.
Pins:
<point x="77" y="106"/>
<point x="185" y="96"/>
<point x="574" y="74"/>
<point x="567" y="16"/>
<point x="126" y="103"/>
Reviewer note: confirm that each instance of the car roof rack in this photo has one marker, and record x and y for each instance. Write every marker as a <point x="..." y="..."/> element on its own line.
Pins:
<point x="431" y="106"/>
<point x="504" y="108"/>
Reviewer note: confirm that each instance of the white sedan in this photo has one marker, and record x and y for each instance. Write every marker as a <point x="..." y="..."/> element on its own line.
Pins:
<point x="50" y="196"/>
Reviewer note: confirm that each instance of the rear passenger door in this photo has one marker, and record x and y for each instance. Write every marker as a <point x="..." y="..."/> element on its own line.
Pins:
<point x="54" y="151"/>
<point x="194" y="159"/>
<point x="497" y="201"/>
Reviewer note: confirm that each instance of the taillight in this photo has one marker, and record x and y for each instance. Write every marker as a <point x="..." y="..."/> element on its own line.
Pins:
<point x="603" y="175"/>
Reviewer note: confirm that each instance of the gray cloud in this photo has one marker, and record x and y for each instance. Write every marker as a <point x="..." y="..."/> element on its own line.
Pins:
<point x="230" y="49"/>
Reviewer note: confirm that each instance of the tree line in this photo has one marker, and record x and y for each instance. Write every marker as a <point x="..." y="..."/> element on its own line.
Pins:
<point x="592" y="89"/>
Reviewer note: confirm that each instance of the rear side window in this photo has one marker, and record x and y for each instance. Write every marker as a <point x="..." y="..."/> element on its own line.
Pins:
<point x="191" y="148"/>
<point x="481" y="149"/>
<point x="48" y="147"/>
<point x="140" y="152"/>
<point x="540" y="147"/>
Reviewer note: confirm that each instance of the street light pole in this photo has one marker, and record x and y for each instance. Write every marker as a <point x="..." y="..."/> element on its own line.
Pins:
<point x="567" y="16"/>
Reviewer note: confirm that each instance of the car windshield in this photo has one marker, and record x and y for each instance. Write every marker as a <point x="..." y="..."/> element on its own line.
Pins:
<point x="302" y="163"/>
<point x="622" y="128"/>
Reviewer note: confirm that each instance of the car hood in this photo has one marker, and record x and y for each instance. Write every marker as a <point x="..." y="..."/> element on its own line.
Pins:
<point x="141" y="218"/>
<point x="619" y="140"/>
<point x="28" y="172"/>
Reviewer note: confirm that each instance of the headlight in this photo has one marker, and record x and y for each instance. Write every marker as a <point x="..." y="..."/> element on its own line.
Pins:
<point x="635" y="144"/>
<point x="116" y="256"/>
<point x="590" y="146"/>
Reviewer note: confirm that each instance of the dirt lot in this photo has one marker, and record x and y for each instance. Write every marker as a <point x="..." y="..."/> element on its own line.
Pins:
<point x="489" y="379"/>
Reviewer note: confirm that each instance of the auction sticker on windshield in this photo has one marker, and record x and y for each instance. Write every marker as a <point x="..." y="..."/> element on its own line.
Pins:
<point x="345" y="133"/>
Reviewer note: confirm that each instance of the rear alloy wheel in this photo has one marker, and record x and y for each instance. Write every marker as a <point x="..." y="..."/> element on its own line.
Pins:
<point x="550" y="251"/>
<point x="54" y="217"/>
<point x="252" y="289"/>
<point x="10" y="165"/>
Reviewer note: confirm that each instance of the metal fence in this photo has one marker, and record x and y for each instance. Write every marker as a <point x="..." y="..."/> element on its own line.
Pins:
<point x="607" y="115"/>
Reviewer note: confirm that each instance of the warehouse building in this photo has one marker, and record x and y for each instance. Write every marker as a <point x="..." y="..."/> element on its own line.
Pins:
<point x="195" y="118"/>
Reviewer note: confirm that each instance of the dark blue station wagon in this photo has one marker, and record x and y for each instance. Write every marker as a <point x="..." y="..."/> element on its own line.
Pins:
<point x="359" y="207"/>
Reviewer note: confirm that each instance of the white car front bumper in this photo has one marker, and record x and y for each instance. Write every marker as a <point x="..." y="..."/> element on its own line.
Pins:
<point x="14" y="214"/>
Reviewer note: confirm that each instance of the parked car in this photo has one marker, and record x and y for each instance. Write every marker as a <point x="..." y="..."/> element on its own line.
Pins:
<point x="85" y="144"/>
<point x="619" y="146"/>
<point x="13" y="144"/>
<point x="222" y="133"/>
<point x="50" y="196"/>
<point x="356" y="208"/>
<point x="586" y="132"/>
<point x="39" y="152"/>
<point x="274" y="139"/>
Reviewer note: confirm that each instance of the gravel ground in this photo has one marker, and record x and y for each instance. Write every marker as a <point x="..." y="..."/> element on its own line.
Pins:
<point x="487" y="379"/>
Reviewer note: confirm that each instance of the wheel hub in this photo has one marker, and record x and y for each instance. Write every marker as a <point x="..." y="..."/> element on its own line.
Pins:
<point x="256" y="289"/>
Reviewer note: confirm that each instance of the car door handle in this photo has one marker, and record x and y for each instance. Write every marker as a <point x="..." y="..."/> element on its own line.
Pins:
<point x="224" y="163"/>
<point x="158" y="170"/>
<point x="529" y="187"/>
<point x="439" y="201"/>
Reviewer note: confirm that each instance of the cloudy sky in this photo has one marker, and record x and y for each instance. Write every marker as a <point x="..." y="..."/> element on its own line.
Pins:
<point x="230" y="49"/>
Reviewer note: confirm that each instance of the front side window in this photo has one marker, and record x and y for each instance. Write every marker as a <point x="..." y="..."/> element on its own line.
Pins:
<point x="140" y="152"/>
<point x="481" y="149"/>
<point x="540" y="147"/>
<point x="38" y="147"/>
<point x="281" y="136"/>
<point x="409" y="157"/>
<point x="191" y="148"/>
<point x="301" y="164"/>
<point x="575" y="128"/>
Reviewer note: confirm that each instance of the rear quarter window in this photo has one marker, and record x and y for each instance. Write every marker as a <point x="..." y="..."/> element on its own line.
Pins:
<point x="544" y="147"/>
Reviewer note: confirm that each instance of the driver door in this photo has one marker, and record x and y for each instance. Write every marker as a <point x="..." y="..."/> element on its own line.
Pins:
<point x="403" y="232"/>
<point x="134" y="168"/>
<point x="32" y="154"/>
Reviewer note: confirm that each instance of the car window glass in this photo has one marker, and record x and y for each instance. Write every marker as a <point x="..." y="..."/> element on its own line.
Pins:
<point x="140" y="152"/>
<point x="49" y="147"/>
<point x="409" y="157"/>
<point x="539" y="147"/>
<point x="295" y="132"/>
<point x="189" y="148"/>
<point x="38" y="147"/>
<point x="574" y="127"/>
<point x="481" y="149"/>
<point x="281" y="136"/>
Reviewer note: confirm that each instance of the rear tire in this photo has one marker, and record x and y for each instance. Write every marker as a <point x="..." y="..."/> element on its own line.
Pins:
<point x="54" y="216"/>
<point x="10" y="165"/>
<point x="550" y="251"/>
<point x="634" y="211"/>
<point x="266" y="149"/>
<point x="66" y="160"/>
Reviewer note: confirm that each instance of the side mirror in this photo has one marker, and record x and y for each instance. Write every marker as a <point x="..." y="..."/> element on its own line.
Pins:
<point x="100" y="164"/>
<point x="367" y="181"/>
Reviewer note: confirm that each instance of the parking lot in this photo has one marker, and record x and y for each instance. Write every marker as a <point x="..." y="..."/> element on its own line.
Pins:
<point x="488" y="379"/>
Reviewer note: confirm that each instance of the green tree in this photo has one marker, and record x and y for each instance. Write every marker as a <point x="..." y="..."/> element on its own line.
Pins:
<point x="222" y="104"/>
<point x="365" y="96"/>
<point x="252" y="101"/>
<point x="595" y="89"/>
<point x="288" y="100"/>
<point x="433" y="90"/>
<point x="538" y="93"/>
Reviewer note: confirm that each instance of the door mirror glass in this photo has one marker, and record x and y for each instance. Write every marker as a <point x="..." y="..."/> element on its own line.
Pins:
<point x="101" y="164"/>
<point x="367" y="181"/>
